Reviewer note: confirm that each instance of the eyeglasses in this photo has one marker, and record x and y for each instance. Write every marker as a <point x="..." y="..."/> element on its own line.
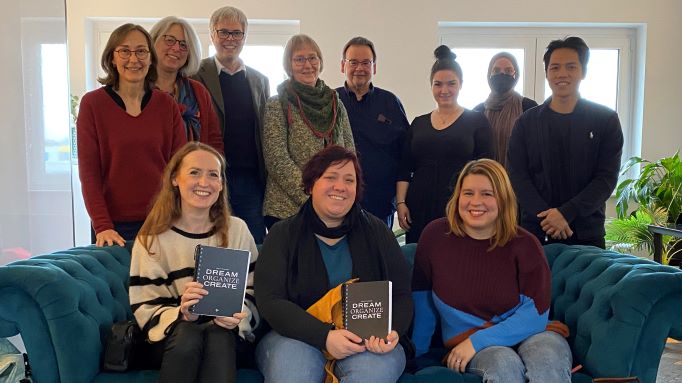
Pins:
<point x="171" y="41"/>
<point x="225" y="33"/>
<point x="300" y="60"/>
<point x="125" y="53"/>
<point x="355" y="63"/>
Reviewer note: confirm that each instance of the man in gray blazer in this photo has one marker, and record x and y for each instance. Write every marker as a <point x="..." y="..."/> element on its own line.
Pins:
<point x="239" y="93"/>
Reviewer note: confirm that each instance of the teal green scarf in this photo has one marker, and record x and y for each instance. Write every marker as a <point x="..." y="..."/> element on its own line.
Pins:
<point x="318" y="107"/>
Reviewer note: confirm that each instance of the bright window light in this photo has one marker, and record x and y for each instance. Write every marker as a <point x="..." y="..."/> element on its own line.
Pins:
<point x="55" y="108"/>
<point x="266" y="59"/>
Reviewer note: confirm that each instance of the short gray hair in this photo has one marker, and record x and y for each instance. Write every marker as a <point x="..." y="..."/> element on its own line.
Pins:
<point x="194" y="52"/>
<point x="297" y="42"/>
<point x="229" y="14"/>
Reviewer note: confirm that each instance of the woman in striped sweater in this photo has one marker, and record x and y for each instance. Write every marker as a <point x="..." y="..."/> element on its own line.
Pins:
<point x="191" y="209"/>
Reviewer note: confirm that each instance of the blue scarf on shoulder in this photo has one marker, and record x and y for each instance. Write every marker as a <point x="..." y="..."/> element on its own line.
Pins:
<point x="189" y="108"/>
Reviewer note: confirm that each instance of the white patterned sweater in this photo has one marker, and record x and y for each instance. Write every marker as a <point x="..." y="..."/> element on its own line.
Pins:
<point x="157" y="281"/>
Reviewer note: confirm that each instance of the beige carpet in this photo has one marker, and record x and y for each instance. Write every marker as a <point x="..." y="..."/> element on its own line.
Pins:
<point x="670" y="369"/>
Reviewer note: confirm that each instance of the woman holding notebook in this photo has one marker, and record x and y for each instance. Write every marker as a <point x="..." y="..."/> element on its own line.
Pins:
<point x="191" y="209"/>
<point x="487" y="282"/>
<point x="329" y="241"/>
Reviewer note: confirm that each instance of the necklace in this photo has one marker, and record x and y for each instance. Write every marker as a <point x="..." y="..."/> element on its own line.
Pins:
<point x="446" y="119"/>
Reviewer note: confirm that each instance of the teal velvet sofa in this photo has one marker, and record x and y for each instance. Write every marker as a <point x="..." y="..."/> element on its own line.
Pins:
<point x="620" y="310"/>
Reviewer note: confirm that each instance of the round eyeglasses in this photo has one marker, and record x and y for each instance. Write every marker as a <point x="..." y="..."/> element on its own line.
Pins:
<point x="300" y="60"/>
<point x="125" y="53"/>
<point x="171" y="41"/>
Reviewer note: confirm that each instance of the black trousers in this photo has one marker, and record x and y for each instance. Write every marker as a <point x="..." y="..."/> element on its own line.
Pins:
<point x="198" y="352"/>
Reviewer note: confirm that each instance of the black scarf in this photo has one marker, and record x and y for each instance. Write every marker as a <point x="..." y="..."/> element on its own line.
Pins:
<point x="306" y="267"/>
<point x="320" y="228"/>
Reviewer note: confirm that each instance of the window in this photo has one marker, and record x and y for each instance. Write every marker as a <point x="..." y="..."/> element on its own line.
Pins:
<point x="36" y="211"/>
<point x="260" y="57"/>
<point x="55" y="110"/>
<point x="611" y="70"/>
<point x="44" y="56"/>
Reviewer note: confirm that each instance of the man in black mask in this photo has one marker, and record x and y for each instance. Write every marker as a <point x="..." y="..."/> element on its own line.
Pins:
<point x="564" y="155"/>
<point x="504" y="105"/>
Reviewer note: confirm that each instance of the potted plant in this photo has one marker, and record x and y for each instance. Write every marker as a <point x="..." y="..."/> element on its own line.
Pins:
<point x="657" y="193"/>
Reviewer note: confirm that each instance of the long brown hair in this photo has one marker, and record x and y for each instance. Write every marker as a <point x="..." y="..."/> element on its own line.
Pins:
<point x="167" y="206"/>
<point x="505" y="225"/>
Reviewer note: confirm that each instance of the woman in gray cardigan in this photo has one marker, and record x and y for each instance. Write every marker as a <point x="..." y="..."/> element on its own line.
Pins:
<point x="304" y="117"/>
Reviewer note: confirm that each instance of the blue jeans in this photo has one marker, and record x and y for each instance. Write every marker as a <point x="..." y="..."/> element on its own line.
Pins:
<point x="286" y="360"/>
<point x="544" y="357"/>
<point x="246" y="191"/>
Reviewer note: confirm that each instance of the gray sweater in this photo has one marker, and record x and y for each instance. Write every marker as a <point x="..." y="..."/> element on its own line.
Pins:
<point x="285" y="150"/>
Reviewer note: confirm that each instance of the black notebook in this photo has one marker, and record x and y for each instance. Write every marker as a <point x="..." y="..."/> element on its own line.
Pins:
<point x="367" y="308"/>
<point x="223" y="273"/>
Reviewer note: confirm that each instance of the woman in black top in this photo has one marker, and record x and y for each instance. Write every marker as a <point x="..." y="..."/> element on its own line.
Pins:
<point x="437" y="147"/>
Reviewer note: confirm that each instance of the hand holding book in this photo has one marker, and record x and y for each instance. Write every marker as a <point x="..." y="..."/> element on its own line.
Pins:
<point x="230" y="322"/>
<point x="193" y="293"/>
<point x="343" y="343"/>
<point x="380" y="346"/>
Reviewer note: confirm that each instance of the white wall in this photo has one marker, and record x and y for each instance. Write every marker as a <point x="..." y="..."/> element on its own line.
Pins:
<point x="405" y="34"/>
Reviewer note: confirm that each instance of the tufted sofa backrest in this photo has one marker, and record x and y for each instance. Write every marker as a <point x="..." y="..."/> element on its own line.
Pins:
<point x="70" y="297"/>
<point x="618" y="307"/>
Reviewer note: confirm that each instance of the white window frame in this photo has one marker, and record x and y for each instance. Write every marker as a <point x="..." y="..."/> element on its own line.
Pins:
<point x="534" y="37"/>
<point x="36" y="31"/>
<point x="98" y="30"/>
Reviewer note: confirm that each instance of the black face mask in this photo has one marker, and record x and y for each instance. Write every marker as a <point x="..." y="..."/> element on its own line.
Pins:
<point x="502" y="82"/>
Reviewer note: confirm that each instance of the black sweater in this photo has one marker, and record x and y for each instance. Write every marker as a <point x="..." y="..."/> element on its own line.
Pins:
<point x="595" y="144"/>
<point x="290" y="280"/>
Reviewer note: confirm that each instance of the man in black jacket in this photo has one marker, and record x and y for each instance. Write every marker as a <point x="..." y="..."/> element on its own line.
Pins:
<point x="564" y="155"/>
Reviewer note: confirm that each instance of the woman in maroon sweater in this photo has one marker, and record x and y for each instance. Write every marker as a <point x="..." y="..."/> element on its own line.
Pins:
<point x="126" y="134"/>
<point x="177" y="47"/>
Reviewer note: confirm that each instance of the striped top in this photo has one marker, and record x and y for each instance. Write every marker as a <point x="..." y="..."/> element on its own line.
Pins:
<point x="157" y="281"/>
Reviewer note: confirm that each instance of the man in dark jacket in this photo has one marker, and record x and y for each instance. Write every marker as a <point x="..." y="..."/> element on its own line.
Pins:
<point x="239" y="93"/>
<point x="379" y="125"/>
<point x="564" y="155"/>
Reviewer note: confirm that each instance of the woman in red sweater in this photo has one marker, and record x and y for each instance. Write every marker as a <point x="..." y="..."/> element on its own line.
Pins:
<point x="177" y="47"/>
<point x="126" y="133"/>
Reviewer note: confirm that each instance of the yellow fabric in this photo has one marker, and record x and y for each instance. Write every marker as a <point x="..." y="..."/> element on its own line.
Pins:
<point x="329" y="309"/>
